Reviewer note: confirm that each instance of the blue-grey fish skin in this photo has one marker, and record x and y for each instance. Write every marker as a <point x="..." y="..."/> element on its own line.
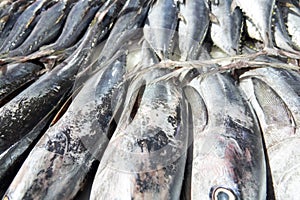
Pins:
<point x="19" y="115"/>
<point x="65" y="153"/>
<point x="14" y="76"/>
<point x="77" y="21"/>
<point x="228" y="157"/>
<point x="274" y="95"/>
<point x="192" y="27"/>
<point x="226" y="32"/>
<point x="160" y="26"/>
<point x="145" y="158"/>
<point x="23" y="25"/>
<point x="47" y="28"/>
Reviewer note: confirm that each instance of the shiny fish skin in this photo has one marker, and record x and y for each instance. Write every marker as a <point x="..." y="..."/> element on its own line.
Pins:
<point x="19" y="115"/>
<point x="77" y="21"/>
<point x="193" y="27"/>
<point x="277" y="108"/>
<point x="64" y="155"/>
<point x="293" y="21"/>
<point x="230" y="141"/>
<point x="46" y="29"/>
<point x="160" y="26"/>
<point x="260" y="13"/>
<point x="23" y="26"/>
<point x="226" y="33"/>
<point x="153" y="155"/>
<point x="14" y="76"/>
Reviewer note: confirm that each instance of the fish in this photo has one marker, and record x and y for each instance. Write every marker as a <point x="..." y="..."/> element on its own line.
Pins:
<point x="228" y="157"/>
<point x="65" y="153"/>
<point x="281" y="35"/>
<point x="260" y="13"/>
<point x="192" y="27"/>
<point x="80" y="16"/>
<point x="24" y="25"/>
<point x="17" y="76"/>
<point x="12" y="14"/>
<point x="12" y="159"/>
<point x="293" y="29"/>
<point x="46" y="30"/>
<point x="145" y="158"/>
<point x="276" y="103"/>
<point x="19" y="115"/>
<point x="160" y="27"/>
<point x="226" y="32"/>
<point x="129" y="23"/>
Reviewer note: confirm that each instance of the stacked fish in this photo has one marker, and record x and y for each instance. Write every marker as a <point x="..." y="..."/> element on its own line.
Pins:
<point x="159" y="99"/>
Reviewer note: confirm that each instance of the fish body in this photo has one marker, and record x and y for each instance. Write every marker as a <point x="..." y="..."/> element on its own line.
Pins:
<point x="14" y="76"/>
<point x="65" y="153"/>
<point x="274" y="95"/>
<point x="145" y="158"/>
<point x="226" y="32"/>
<point x="260" y="13"/>
<point x="192" y="28"/>
<point x="228" y="158"/>
<point x="23" y="25"/>
<point x="292" y="23"/>
<point x="80" y="16"/>
<point x="47" y="28"/>
<point x="160" y="27"/>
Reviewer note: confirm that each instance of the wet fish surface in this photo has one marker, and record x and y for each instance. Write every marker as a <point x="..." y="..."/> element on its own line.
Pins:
<point x="228" y="159"/>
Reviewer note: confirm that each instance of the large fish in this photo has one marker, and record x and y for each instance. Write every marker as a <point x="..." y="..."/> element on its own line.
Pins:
<point x="64" y="155"/>
<point x="226" y="31"/>
<point x="160" y="27"/>
<point x="228" y="158"/>
<point x="145" y="158"/>
<point x="274" y="95"/>
<point x="192" y="27"/>
<point x="19" y="115"/>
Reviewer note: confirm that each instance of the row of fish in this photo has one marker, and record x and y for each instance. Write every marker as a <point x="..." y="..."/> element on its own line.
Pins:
<point x="88" y="86"/>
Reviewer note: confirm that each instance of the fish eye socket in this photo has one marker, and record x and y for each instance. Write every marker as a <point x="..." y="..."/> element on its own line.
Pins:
<point x="223" y="194"/>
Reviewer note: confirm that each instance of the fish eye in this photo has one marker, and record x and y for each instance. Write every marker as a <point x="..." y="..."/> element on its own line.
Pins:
<point x="221" y="193"/>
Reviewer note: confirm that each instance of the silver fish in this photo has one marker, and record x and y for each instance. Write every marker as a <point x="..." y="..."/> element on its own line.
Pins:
<point x="226" y="32"/>
<point x="274" y="95"/>
<point x="145" y="158"/>
<point x="192" y="27"/>
<point x="228" y="158"/>
<point x="159" y="29"/>
<point x="293" y="21"/>
<point x="260" y="13"/>
<point x="65" y="153"/>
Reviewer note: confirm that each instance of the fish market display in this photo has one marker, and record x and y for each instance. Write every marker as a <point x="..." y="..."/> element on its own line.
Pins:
<point x="149" y="99"/>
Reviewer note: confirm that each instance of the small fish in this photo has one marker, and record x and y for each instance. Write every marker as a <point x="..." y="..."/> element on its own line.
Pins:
<point x="65" y="153"/>
<point x="160" y="27"/>
<point x="47" y="28"/>
<point x="77" y="21"/>
<point x="145" y="158"/>
<point x="228" y="158"/>
<point x="260" y="13"/>
<point x="226" y="33"/>
<point x="192" y="27"/>
<point x="274" y="95"/>
<point x="23" y="26"/>
<point x="293" y="28"/>
<point x="17" y="76"/>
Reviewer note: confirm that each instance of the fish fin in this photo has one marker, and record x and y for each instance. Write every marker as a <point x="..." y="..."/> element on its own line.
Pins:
<point x="214" y="19"/>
